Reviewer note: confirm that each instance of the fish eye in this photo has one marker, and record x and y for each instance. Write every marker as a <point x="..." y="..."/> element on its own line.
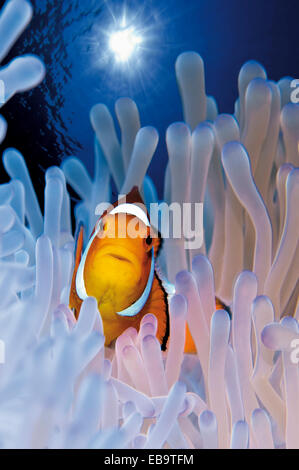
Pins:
<point x="149" y="240"/>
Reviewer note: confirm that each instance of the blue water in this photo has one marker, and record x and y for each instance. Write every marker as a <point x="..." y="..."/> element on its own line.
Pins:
<point x="52" y="121"/>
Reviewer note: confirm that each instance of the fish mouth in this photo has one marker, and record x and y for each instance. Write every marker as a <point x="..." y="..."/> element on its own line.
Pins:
<point x="118" y="257"/>
<point x="120" y="254"/>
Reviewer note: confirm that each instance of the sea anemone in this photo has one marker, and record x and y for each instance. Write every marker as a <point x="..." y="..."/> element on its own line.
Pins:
<point x="59" y="386"/>
<point x="22" y="73"/>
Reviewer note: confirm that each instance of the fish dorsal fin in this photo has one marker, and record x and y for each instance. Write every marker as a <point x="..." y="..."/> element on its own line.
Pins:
<point x="134" y="196"/>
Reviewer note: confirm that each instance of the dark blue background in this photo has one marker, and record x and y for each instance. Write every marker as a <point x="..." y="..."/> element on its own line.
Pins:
<point x="52" y="121"/>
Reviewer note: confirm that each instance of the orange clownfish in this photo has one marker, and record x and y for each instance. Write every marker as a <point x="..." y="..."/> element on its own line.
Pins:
<point x="120" y="272"/>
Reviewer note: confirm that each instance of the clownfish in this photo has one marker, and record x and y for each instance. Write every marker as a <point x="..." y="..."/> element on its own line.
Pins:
<point x="120" y="272"/>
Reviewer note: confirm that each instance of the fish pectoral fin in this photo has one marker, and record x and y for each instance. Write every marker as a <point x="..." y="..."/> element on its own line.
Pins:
<point x="157" y="304"/>
<point x="190" y="347"/>
<point x="75" y="301"/>
<point x="221" y="306"/>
